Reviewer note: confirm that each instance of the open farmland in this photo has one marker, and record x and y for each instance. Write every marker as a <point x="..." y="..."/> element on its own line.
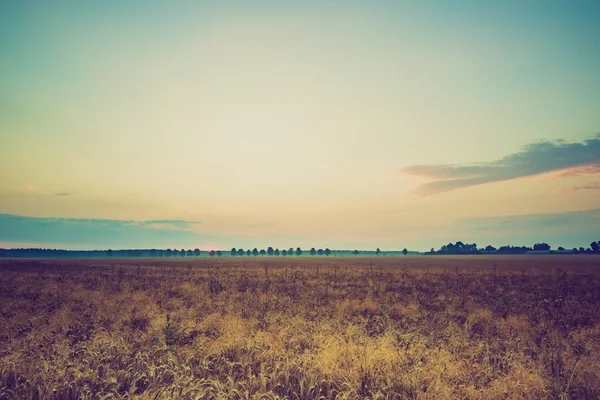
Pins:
<point x="301" y="328"/>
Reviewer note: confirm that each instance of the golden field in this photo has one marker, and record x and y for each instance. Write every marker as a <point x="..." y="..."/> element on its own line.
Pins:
<point x="475" y="327"/>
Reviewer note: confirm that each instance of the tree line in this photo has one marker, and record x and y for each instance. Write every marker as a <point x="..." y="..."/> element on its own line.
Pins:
<point x="471" y="248"/>
<point x="450" y="248"/>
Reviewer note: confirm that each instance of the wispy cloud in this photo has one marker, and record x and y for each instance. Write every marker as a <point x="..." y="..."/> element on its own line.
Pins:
<point x="534" y="159"/>
<point x="109" y="233"/>
<point x="100" y="232"/>
<point x="589" y="186"/>
<point x="62" y="194"/>
<point x="175" y="224"/>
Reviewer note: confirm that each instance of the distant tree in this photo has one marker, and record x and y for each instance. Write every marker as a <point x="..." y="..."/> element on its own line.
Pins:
<point x="263" y="252"/>
<point x="197" y="252"/>
<point x="405" y="252"/>
<point x="377" y="252"/>
<point x="255" y="252"/>
<point x="541" y="247"/>
<point x="211" y="253"/>
<point x="313" y="252"/>
<point x="241" y="252"/>
<point x="219" y="253"/>
<point x="189" y="253"/>
<point x="270" y="251"/>
<point x="153" y="253"/>
<point x="355" y="252"/>
<point x="490" y="249"/>
<point x="320" y="252"/>
<point x="182" y="253"/>
<point x="595" y="247"/>
<point x="581" y="250"/>
<point x="284" y="252"/>
<point x="233" y="252"/>
<point x="161" y="253"/>
<point x="327" y="251"/>
<point x="298" y="251"/>
<point x="276" y="252"/>
<point x="248" y="252"/>
<point x="588" y="251"/>
<point x="168" y="252"/>
<point x="561" y="248"/>
<point x="109" y="253"/>
<point x="290" y="252"/>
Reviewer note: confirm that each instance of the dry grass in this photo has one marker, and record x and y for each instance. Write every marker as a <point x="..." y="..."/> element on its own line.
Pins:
<point x="300" y="328"/>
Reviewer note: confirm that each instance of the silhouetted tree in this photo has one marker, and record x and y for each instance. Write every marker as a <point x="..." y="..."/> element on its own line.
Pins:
<point x="169" y="252"/>
<point x="211" y="253"/>
<point x="161" y="253"/>
<point x="327" y="251"/>
<point x="153" y="253"/>
<point x="489" y="248"/>
<point x="263" y="252"/>
<point x="405" y="252"/>
<point x="276" y="252"/>
<point x="313" y="252"/>
<point x="219" y="253"/>
<point x="249" y="252"/>
<point x="190" y="253"/>
<point x="284" y="252"/>
<point x="233" y="252"/>
<point x="270" y="251"/>
<point x="541" y="247"/>
<point x="255" y="252"/>
<point x="109" y="253"/>
<point x="290" y="252"/>
<point x="298" y="251"/>
<point x="377" y="251"/>
<point x="355" y="252"/>
<point x="581" y="250"/>
<point x="561" y="248"/>
<point x="595" y="247"/>
<point x="320" y="252"/>
<point x="197" y="252"/>
<point x="182" y="253"/>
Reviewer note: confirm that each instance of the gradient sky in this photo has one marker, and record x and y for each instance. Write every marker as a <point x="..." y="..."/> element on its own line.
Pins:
<point x="328" y="124"/>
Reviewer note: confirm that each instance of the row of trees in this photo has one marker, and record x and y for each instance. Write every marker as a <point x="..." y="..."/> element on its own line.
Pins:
<point x="466" y="248"/>
<point x="451" y="248"/>
<point x="160" y="253"/>
<point x="276" y="252"/>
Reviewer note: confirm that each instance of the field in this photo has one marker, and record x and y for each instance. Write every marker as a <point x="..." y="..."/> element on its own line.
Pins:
<point x="479" y="327"/>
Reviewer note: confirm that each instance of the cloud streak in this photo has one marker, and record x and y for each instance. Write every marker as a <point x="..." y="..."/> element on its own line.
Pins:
<point x="99" y="232"/>
<point x="535" y="158"/>
<point x="589" y="186"/>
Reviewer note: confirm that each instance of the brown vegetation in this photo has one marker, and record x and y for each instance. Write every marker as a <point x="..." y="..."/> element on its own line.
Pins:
<point x="323" y="328"/>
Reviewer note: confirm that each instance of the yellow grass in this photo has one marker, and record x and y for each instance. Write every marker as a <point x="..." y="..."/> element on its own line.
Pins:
<point x="301" y="328"/>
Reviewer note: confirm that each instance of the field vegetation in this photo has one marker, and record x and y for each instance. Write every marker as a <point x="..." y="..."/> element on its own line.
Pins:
<point x="502" y="327"/>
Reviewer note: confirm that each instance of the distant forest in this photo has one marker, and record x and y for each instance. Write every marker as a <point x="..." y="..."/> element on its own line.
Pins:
<point x="449" y="249"/>
<point x="466" y="248"/>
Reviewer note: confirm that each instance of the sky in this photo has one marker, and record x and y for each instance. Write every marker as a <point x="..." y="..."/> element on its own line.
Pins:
<point x="340" y="124"/>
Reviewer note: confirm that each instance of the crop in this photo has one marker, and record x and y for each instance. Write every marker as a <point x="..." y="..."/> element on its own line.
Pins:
<point x="322" y="328"/>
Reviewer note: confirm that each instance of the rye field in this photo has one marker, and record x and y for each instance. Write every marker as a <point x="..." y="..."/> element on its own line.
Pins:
<point x="476" y="327"/>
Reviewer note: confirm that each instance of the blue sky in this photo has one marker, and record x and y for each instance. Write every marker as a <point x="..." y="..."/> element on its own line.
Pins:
<point x="320" y="123"/>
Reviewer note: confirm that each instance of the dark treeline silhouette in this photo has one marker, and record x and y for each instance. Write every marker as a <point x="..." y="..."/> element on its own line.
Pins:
<point x="451" y="248"/>
<point x="466" y="248"/>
